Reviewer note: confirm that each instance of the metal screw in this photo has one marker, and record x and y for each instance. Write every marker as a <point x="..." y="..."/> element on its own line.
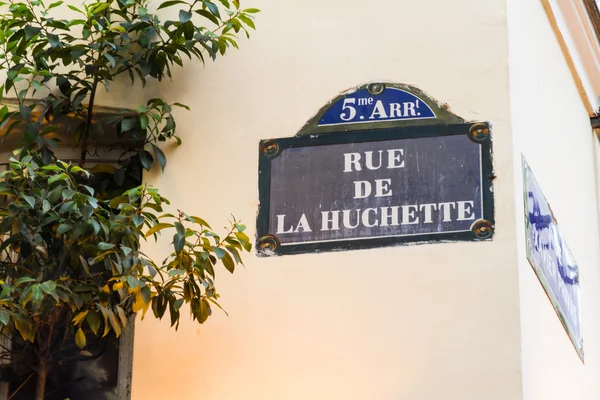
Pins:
<point x="376" y="88"/>
<point x="479" y="132"/>
<point x="483" y="229"/>
<point x="267" y="244"/>
<point x="270" y="149"/>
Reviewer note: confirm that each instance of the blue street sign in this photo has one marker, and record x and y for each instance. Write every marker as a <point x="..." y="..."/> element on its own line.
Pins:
<point x="551" y="259"/>
<point x="362" y="107"/>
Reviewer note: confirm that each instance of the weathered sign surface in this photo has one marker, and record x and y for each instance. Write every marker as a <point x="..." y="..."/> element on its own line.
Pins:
<point x="368" y="189"/>
<point x="551" y="259"/>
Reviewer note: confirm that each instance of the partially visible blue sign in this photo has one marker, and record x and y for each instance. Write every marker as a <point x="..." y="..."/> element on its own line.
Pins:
<point x="551" y="259"/>
<point x="391" y="105"/>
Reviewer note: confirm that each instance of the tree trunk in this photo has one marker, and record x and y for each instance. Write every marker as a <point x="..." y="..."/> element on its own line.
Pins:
<point x="40" y="391"/>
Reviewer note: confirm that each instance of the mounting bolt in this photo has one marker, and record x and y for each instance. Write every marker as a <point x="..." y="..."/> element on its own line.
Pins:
<point x="483" y="229"/>
<point x="270" y="149"/>
<point x="479" y="132"/>
<point x="267" y="244"/>
<point x="376" y="88"/>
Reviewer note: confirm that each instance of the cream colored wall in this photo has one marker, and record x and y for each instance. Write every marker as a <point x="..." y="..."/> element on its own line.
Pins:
<point x="424" y="322"/>
<point x="552" y="129"/>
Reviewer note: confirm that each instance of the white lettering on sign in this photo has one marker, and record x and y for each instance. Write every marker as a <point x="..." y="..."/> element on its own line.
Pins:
<point x="410" y="214"/>
<point x="302" y="225"/>
<point x="380" y="110"/>
<point x="393" y="159"/>
<point x="465" y="211"/>
<point x="393" y="215"/>
<point x="348" y="112"/>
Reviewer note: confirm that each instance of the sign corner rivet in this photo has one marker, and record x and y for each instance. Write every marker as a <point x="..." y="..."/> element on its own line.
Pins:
<point x="267" y="244"/>
<point x="479" y="132"/>
<point x="483" y="229"/>
<point x="270" y="149"/>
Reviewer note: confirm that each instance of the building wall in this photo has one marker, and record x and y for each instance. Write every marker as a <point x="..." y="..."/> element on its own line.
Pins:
<point x="413" y="323"/>
<point x="551" y="128"/>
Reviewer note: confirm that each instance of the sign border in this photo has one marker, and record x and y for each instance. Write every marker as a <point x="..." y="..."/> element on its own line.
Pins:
<point x="479" y="133"/>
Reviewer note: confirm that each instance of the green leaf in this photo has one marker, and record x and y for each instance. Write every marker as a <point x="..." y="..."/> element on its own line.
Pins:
<point x="89" y="189"/>
<point x="30" y="200"/>
<point x="178" y="242"/>
<point x="248" y="21"/>
<point x="63" y="228"/>
<point x="235" y="254"/>
<point x="208" y="15"/>
<point x="184" y="16"/>
<point x="110" y="59"/>
<point x="52" y="167"/>
<point x="25" y="327"/>
<point x="137" y="219"/>
<point x="200" y="221"/>
<point x="242" y="237"/>
<point x="36" y="293"/>
<point x="122" y="316"/>
<point x="80" y="338"/>
<point x="78" y="319"/>
<point x="114" y="322"/>
<point x="24" y="279"/>
<point x="212" y="7"/>
<point x="182" y="106"/>
<point x="251" y="10"/>
<point x="49" y="287"/>
<point x="170" y="3"/>
<point x="116" y="201"/>
<point x="55" y="178"/>
<point x="228" y="262"/>
<point x="31" y="31"/>
<point x="93" y="320"/>
<point x="203" y="311"/>
<point x="158" y="227"/>
<point x="145" y="159"/>
<point x="128" y="124"/>
<point x="103" y="246"/>
<point x="56" y="4"/>
<point x="180" y="228"/>
<point x="85" y="265"/>
<point x="220" y="253"/>
<point x="75" y="9"/>
<point x="144" y="121"/>
<point x="160" y="156"/>
<point x="46" y="206"/>
<point x="54" y="40"/>
<point x="126" y="250"/>
<point x="4" y="317"/>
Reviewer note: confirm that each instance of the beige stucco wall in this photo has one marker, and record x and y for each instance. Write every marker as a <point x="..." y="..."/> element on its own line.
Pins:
<point x="552" y="129"/>
<point x="413" y="323"/>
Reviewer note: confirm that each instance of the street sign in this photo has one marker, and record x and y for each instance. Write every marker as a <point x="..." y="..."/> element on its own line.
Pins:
<point x="551" y="259"/>
<point x="362" y="106"/>
<point x="376" y="183"/>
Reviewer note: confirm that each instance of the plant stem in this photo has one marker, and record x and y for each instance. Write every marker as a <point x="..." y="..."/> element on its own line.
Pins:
<point x="88" y="123"/>
<point x="40" y="391"/>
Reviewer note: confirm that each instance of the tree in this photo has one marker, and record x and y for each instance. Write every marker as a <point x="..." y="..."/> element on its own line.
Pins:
<point x="70" y="245"/>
